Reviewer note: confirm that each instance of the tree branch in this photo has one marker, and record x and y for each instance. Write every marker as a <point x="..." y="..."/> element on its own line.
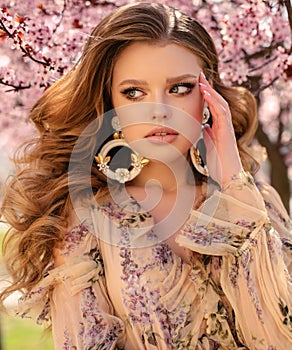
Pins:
<point x="262" y="52"/>
<point x="262" y="88"/>
<point x="61" y="17"/>
<point x="14" y="87"/>
<point x="288" y="6"/>
<point x="15" y="37"/>
<point x="103" y="3"/>
<point x="263" y="64"/>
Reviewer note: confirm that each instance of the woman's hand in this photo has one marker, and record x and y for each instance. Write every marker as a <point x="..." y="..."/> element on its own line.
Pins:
<point x="223" y="160"/>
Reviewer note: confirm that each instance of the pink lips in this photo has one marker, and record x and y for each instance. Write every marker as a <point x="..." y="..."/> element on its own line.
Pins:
<point x="162" y="135"/>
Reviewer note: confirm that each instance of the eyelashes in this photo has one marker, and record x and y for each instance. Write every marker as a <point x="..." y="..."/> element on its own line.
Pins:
<point x="132" y="92"/>
<point x="183" y="88"/>
<point x="180" y="89"/>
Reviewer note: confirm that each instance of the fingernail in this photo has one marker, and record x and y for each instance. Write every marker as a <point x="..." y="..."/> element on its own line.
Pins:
<point x="205" y="92"/>
<point x="203" y="75"/>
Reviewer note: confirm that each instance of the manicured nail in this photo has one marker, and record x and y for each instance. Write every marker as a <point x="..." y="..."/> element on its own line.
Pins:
<point x="203" y="75"/>
<point x="205" y="92"/>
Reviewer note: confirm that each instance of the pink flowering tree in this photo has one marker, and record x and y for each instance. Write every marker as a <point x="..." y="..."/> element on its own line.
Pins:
<point x="41" y="39"/>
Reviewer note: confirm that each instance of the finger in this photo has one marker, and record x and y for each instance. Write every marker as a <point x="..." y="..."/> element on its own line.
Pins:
<point x="219" y="112"/>
<point x="221" y="115"/>
<point x="205" y="87"/>
<point x="214" y="100"/>
<point x="212" y="157"/>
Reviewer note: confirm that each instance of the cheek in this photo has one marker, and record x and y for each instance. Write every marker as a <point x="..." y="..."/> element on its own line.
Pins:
<point x="127" y="133"/>
<point x="193" y="106"/>
<point x="197" y="108"/>
<point x="198" y="113"/>
<point x="132" y="133"/>
<point x="115" y="100"/>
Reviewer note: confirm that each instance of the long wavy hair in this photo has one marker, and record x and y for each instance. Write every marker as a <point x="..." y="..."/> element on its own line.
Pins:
<point x="36" y="201"/>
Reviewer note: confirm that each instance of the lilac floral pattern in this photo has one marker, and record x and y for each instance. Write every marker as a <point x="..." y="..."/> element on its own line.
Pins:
<point x="93" y="328"/>
<point x="73" y="238"/>
<point x="214" y="233"/>
<point x="111" y="297"/>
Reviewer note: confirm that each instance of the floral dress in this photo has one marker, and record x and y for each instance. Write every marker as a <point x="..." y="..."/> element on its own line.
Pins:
<point x="234" y="292"/>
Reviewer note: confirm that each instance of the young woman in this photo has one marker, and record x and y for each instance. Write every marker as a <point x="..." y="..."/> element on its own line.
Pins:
<point x="149" y="248"/>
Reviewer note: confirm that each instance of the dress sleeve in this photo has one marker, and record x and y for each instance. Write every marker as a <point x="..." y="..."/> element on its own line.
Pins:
<point x="250" y="233"/>
<point x="73" y="296"/>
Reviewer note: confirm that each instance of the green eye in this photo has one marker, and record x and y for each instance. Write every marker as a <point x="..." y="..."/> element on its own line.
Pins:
<point x="182" y="88"/>
<point x="133" y="93"/>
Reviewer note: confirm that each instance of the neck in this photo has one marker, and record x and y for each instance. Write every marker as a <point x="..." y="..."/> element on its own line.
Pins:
<point x="164" y="192"/>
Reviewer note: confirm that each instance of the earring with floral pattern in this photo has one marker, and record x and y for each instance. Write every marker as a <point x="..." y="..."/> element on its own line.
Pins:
<point x="121" y="175"/>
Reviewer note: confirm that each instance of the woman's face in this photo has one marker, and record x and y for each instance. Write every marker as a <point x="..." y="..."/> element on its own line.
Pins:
<point x="155" y="93"/>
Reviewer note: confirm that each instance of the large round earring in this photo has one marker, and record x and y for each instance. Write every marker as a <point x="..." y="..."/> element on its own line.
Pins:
<point x="198" y="162"/>
<point x="121" y="175"/>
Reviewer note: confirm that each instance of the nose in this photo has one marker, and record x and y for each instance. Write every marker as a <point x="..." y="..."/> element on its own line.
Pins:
<point x="161" y="112"/>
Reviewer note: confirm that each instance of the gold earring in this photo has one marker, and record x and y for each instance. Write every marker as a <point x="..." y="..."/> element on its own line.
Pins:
<point x="121" y="175"/>
<point x="198" y="162"/>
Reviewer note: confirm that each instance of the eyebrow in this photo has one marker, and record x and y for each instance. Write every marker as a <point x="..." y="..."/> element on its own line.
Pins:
<point x="180" y="78"/>
<point x="168" y="80"/>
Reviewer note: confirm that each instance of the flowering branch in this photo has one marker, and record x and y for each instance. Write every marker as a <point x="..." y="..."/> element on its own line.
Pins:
<point x="102" y="3"/>
<point x="266" y="51"/>
<point x="16" y="36"/>
<point x="253" y="69"/>
<point x="15" y="88"/>
<point x="61" y="17"/>
<point x="263" y="87"/>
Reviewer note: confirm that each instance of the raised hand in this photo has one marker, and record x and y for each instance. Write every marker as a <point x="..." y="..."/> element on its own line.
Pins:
<point x="223" y="158"/>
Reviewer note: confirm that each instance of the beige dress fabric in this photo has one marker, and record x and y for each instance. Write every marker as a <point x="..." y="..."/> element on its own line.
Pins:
<point x="234" y="292"/>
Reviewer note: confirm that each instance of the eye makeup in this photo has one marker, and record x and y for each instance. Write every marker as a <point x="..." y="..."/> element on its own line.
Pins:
<point x="182" y="88"/>
<point x="131" y="93"/>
